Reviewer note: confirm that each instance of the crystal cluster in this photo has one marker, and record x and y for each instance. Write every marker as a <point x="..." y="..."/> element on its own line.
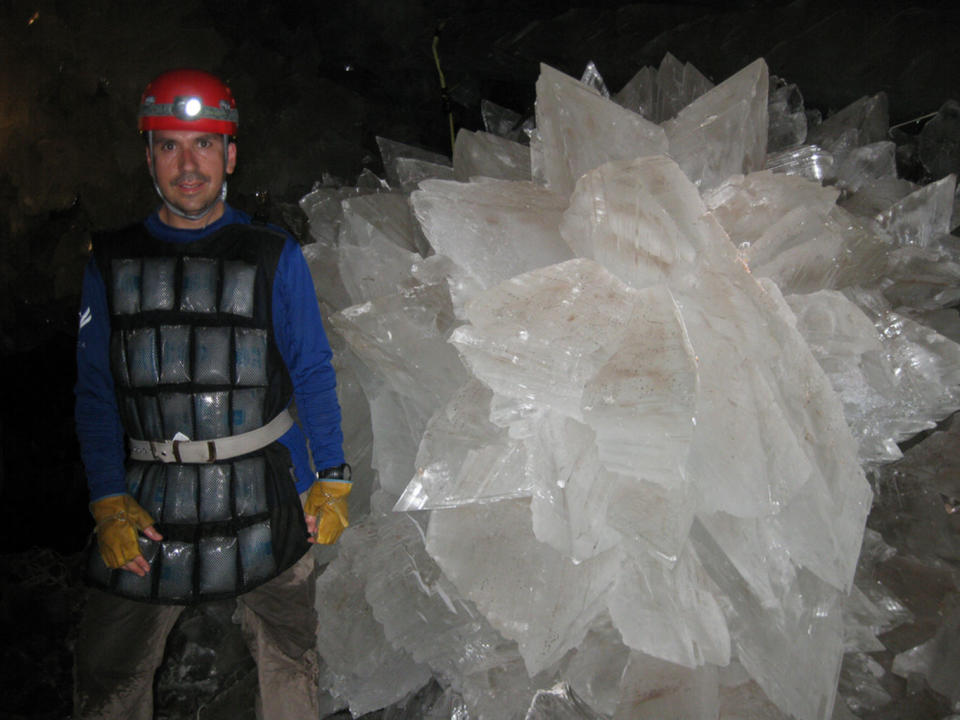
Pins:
<point x="623" y="384"/>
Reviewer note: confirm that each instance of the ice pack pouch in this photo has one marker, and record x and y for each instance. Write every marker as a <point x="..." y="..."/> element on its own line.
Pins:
<point x="126" y="285"/>
<point x="176" y="570"/>
<point x="212" y="410"/>
<point x="148" y="408"/>
<point x="214" y="492"/>
<point x="180" y="501"/>
<point x="256" y="552"/>
<point x="238" y="281"/>
<point x="159" y="277"/>
<point x="199" y="290"/>
<point x="251" y="356"/>
<point x="249" y="486"/>
<point x="246" y="409"/>
<point x="211" y="355"/>
<point x="218" y="564"/>
<point x="152" y="490"/>
<point x="177" y="412"/>
<point x="174" y="354"/>
<point x="142" y="357"/>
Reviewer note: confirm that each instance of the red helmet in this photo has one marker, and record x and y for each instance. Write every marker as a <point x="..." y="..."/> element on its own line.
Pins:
<point x="188" y="100"/>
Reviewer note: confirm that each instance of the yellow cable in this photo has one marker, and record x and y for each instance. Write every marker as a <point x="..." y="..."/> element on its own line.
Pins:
<point x="443" y="85"/>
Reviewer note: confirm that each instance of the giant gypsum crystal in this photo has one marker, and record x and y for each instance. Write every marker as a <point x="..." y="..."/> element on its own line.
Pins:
<point x="622" y="481"/>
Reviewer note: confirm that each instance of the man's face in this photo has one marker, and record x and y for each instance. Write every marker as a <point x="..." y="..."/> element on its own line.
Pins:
<point x="189" y="170"/>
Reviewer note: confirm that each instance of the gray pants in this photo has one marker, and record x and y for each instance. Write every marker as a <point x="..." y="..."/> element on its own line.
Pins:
<point x="121" y="644"/>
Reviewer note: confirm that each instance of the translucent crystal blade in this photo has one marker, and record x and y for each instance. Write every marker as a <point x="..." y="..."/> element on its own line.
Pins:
<point x="592" y="79"/>
<point x="463" y="458"/>
<point x="493" y="229"/>
<point x="398" y="172"/>
<point x="780" y="224"/>
<point x="580" y="129"/>
<point x="413" y="171"/>
<point x="925" y="363"/>
<point x="403" y="338"/>
<point x="669" y="612"/>
<point x="924" y="215"/>
<point x="767" y="368"/>
<point x="640" y="93"/>
<point x="752" y="209"/>
<point x="649" y="517"/>
<point x="501" y="121"/>
<point x="558" y="703"/>
<point x="441" y="270"/>
<point x="752" y="546"/>
<point x="569" y="487"/>
<point x="799" y="676"/>
<point x="860" y="683"/>
<point x="594" y="670"/>
<point x="867" y="164"/>
<point x="786" y="117"/>
<point x="937" y="144"/>
<point x="538" y="598"/>
<point x="652" y="689"/>
<point x="641" y="402"/>
<point x="378" y="244"/>
<point x="809" y="161"/>
<point x="925" y="278"/>
<point x="724" y="131"/>
<point x="790" y="230"/>
<point x="361" y="667"/>
<point x="744" y="698"/>
<point x="421" y="611"/>
<point x="578" y="312"/>
<point x="324" y="210"/>
<point x="678" y="85"/>
<point x="642" y="220"/>
<point x="379" y="216"/>
<point x="864" y="121"/>
<point x="397" y="422"/>
<point x="478" y="154"/>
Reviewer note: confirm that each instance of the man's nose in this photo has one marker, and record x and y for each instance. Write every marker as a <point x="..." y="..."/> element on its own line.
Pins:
<point x="188" y="160"/>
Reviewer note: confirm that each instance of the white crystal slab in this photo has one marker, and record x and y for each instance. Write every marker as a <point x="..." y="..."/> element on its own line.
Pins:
<point x="480" y="154"/>
<point x="724" y="131"/>
<point x="580" y="129"/>
<point x="492" y="229"/>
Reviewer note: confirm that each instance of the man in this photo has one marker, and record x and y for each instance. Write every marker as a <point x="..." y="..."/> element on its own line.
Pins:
<point x="197" y="327"/>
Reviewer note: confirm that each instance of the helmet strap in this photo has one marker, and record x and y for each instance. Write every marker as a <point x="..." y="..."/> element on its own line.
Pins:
<point x="200" y="214"/>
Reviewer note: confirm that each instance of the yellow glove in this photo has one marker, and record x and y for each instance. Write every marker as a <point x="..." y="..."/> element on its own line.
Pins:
<point x="327" y="499"/>
<point x="118" y="519"/>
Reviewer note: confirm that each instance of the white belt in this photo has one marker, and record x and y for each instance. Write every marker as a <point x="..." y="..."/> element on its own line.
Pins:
<point x="208" y="451"/>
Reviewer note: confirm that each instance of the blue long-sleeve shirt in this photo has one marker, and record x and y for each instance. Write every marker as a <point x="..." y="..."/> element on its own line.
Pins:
<point x="300" y="338"/>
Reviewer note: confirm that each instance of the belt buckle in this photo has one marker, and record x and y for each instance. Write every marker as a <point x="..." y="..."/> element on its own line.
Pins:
<point x="160" y="452"/>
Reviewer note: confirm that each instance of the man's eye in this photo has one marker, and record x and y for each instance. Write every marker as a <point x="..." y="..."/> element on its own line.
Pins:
<point x="167" y="146"/>
<point x="204" y="143"/>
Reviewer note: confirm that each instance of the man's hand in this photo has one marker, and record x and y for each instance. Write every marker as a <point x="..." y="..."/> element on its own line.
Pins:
<point x="326" y="510"/>
<point x="118" y="519"/>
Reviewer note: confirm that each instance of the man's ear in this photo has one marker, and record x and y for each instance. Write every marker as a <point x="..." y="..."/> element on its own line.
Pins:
<point x="231" y="157"/>
<point x="149" y="159"/>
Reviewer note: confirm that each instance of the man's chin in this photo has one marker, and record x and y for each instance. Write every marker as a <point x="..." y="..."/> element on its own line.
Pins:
<point x="196" y="209"/>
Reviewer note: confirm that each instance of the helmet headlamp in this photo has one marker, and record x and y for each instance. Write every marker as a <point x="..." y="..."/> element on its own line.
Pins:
<point x="187" y="108"/>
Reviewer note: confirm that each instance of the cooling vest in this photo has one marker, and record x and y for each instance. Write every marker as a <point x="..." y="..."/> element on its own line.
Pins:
<point x="193" y="356"/>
